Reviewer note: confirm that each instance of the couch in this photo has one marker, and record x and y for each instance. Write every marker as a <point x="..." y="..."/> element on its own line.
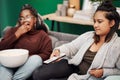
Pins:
<point x="59" y="38"/>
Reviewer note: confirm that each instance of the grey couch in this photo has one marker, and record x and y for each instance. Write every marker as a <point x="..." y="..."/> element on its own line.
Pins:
<point x="59" y="38"/>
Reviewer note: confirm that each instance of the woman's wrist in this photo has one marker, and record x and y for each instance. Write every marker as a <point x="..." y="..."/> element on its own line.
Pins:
<point x="57" y="50"/>
<point x="17" y="34"/>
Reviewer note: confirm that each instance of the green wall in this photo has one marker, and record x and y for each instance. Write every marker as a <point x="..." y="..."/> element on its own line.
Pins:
<point x="9" y="11"/>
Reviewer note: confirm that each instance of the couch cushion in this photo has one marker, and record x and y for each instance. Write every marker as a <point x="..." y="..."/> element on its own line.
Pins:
<point x="63" y="36"/>
<point x="54" y="40"/>
<point x="59" y="38"/>
<point x="58" y="43"/>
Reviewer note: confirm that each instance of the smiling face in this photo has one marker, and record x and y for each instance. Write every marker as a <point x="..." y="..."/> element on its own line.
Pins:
<point x="27" y="17"/>
<point x="102" y="25"/>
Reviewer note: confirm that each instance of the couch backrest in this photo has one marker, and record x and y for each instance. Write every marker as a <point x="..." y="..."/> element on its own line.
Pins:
<point x="59" y="38"/>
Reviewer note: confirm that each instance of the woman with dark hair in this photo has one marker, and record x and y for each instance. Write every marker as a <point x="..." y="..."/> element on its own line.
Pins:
<point x="93" y="55"/>
<point x="30" y="33"/>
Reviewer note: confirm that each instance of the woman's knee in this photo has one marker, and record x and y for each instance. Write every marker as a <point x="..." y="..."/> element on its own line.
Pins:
<point x="47" y="71"/>
<point x="27" y="69"/>
<point x="35" y="60"/>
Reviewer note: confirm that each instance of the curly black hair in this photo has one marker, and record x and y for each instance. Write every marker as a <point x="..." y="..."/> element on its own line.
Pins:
<point x="39" y="23"/>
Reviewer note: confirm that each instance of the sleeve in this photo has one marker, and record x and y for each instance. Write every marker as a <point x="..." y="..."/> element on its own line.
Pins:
<point x="8" y="40"/>
<point x="46" y="47"/>
<point x="115" y="58"/>
<point x="72" y="48"/>
<point x="112" y="71"/>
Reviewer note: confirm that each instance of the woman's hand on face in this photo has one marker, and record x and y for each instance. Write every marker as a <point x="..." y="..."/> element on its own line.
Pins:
<point x="96" y="72"/>
<point x="55" y="53"/>
<point x="24" y="28"/>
